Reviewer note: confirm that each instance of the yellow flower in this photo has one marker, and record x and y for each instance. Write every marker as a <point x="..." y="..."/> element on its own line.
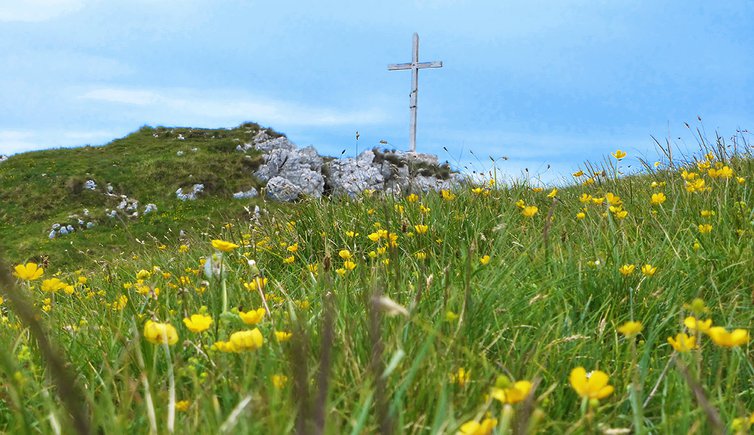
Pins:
<point x="721" y="337"/>
<point x="159" y="333"/>
<point x="224" y="346"/>
<point x="447" y="195"/>
<point x="592" y="386"/>
<point x="247" y="340"/>
<point x="580" y="215"/>
<point x="421" y="255"/>
<point x="52" y="285"/>
<point x="256" y="283"/>
<point x="695" y="324"/>
<point x="529" y="211"/>
<point x="421" y="229"/>
<point x="630" y="328"/>
<point x="585" y="198"/>
<point x="450" y="316"/>
<point x="618" y="154"/>
<point x="741" y="180"/>
<point x="474" y="427"/>
<point x="292" y="248"/>
<point x="514" y="394"/>
<point x="412" y="197"/>
<point x="340" y="271"/>
<point x="485" y="260"/>
<point x="289" y="260"/>
<point x="578" y="174"/>
<point x="252" y="317"/>
<point x="28" y="271"/>
<point x="182" y="405"/>
<point x="279" y="381"/>
<point x="183" y="249"/>
<point x="198" y="322"/>
<point x="222" y="245"/>
<point x="705" y="228"/>
<point x="282" y="336"/>
<point x="627" y="269"/>
<point x="552" y="193"/>
<point x="613" y="199"/>
<point x="345" y="254"/>
<point x="648" y="270"/>
<point x="461" y="377"/>
<point x="658" y="198"/>
<point x="349" y="265"/>
<point x="682" y="342"/>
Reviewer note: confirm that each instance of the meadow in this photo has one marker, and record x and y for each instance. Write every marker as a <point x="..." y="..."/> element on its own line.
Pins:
<point x="617" y="304"/>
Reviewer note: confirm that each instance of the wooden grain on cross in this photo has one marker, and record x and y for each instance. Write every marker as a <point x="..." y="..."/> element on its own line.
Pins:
<point x="414" y="66"/>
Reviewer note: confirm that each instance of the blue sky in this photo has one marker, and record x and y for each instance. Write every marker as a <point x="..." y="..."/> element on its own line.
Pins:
<point x="540" y="82"/>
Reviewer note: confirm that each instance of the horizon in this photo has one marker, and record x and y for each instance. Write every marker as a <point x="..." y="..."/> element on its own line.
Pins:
<point x="552" y="83"/>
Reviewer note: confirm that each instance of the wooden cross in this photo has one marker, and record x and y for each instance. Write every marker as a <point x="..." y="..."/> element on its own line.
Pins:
<point x="414" y="66"/>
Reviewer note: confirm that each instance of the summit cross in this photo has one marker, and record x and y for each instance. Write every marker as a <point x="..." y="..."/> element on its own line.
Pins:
<point x="414" y="66"/>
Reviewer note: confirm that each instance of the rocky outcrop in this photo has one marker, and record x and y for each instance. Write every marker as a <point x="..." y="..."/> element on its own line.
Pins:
<point x="291" y="172"/>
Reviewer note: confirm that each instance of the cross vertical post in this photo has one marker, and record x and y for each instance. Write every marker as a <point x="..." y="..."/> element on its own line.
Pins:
<point x="414" y="66"/>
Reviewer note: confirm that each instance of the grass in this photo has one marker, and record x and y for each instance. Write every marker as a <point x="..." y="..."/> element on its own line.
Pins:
<point x="417" y="336"/>
<point x="38" y="189"/>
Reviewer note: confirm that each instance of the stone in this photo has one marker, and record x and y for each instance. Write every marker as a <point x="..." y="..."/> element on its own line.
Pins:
<point x="281" y="189"/>
<point x="90" y="184"/>
<point x="351" y="176"/>
<point x="251" y="193"/>
<point x="150" y="208"/>
<point x="302" y="167"/>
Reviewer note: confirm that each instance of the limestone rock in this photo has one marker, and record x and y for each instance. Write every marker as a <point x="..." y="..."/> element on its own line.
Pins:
<point x="282" y="189"/>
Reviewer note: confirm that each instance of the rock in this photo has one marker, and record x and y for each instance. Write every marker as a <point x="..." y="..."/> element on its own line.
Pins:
<point x="351" y="176"/>
<point x="191" y="195"/>
<point x="3" y="158"/>
<point x="281" y="189"/>
<point x="90" y="184"/>
<point x="302" y="167"/>
<point x="150" y="208"/>
<point x="251" y="193"/>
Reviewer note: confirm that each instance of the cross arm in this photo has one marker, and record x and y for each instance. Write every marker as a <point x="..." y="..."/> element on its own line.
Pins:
<point x="420" y="65"/>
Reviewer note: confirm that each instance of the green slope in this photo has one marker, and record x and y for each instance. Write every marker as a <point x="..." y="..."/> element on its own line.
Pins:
<point x="38" y="189"/>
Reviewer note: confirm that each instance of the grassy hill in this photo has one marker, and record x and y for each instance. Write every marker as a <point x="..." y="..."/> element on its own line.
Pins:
<point x="38" y="189"/>
<point x="615" y="305"/>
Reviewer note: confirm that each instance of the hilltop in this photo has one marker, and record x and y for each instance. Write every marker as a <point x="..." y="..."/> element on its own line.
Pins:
<point x="76" y="186"/>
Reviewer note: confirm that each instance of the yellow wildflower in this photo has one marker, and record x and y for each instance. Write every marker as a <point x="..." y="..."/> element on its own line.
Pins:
<point x="618" y="154"/>
<point x="52" y="285"/>
<point x="197" y="322"/>
<point x="412" y="197"/>
<point x="648" y="270"/>
<point x="421" y="229"/>
<point x="529" y="211"/>
<point x="474" y="427"/>
<point x="222" y="245"/>
<point x="578" y="174"/>
<point x="722" y="337"/>
<point x="349" y="265"/>
<point x="627" y="269"/>
<point x="513" y="394"/>
<point x="485" y="260"/>
<point x="289" y="260"/>
<point x="593" y="385"/>
<point x="247" y="340"/>
<point x="252" y="317"/>
<point x="461" y="377"/>
<point x="705" y="228"/>
<point x="28" y="271"/>
<point x="282" y="336"/>
<point x="345" y="254"/>
<point x="580" y="215"/>
<point x="279" y="381"/>
<point x="658" y="198"/>
<point x="447" y="195"/>
<point x="695" y="324"/>
<point x="552" y="193"/>
<point x="159" y="333"/>
<point x="292" y="248"/>
<point x="256" y="283"/>
<point x="682" y="342"/>
<point x="630" y="328"/>
<point x="182" y="406"/>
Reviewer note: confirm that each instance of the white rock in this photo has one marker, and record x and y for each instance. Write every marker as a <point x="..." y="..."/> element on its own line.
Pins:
<point x="150" y="208"/>
<point x="251" y="193"/>
<point x="90" y="184"/>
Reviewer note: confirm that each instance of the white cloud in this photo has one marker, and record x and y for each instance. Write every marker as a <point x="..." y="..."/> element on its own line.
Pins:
<point x="37" y="10"/>
<point x="187" y="106"/>
<point x="17" y="141"/>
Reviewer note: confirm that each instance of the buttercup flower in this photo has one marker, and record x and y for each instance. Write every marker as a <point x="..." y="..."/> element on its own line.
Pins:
<point x="282" y="336"/>
<point x="484" y="260"/>
<point x="627" y="269"/>
<point x="658" y="198"/>
<point x="593" y="385"/>
<point x="648" y="269"/>
<point x="222" y="245"/>
<point x="28" y="271"/>
<point x="695" y="324"/>
<point x="252" y="317"/>
<point x="618" y="154"/>
<point x="52" y="285"/>
<point x="513" y="394"/>
<point x="159" y="333"/>
<point x="529" y="211"/>
<point x="247" y="340"/>
<point x="630" y="328"/>
<point x="474" y="427"/>
<point x="682" y="342"/>
<point x="198" y="322"/>
<point x="721" y="337"/>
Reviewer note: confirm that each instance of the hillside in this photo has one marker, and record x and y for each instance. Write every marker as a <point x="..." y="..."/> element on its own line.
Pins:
<point x="42" y="188"/>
